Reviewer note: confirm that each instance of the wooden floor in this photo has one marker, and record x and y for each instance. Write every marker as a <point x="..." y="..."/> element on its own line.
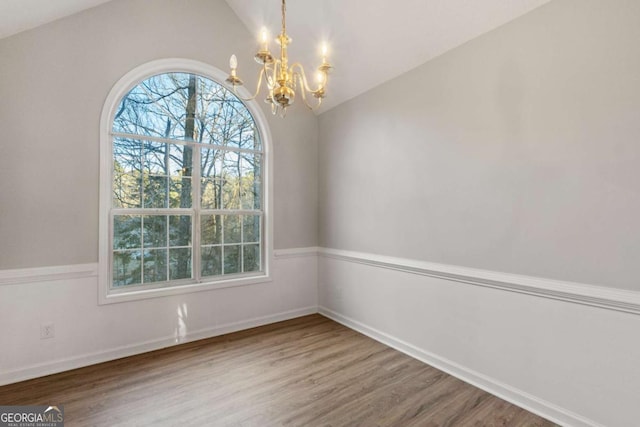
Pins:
<point x="309" y="371"/>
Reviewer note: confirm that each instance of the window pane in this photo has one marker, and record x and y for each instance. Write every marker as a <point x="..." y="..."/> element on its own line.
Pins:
<point x="166" y="175"/>
<point x="127" y="154"/>
<point x="127" y="268"/>
<point x="231" y="172"/>
<point x="211" y="191"/>
<point x="155" y="191"/>
<point x="179" y="230"/>
<point x="250" y="164"/>
<point x="231" y="259"/>
<point x="232" y="229"/>
<point x="127" y="190"/>
<point x="257" y="143"/>
<point x="211" y="229"/>
<point x="251" y="256"/>
<point x="224" y="118"/>
<point x="156" y="107"/>
<point x="251" y="229"/>
<point x="250" y="181"/>
<point x="211" y="261"/>
<point x="155" y="231"/>
<point x="230" y="193"/>
<point x="180" y="160"/>
<point x="211" y="162"/>
<point x="211" y="185"/>
<point x="155" y="265"/>
<point x="211" y="119"/>
<point x="180" y="263"/>
<point x="179" y="192"/>
<point x="127" y="172"/>
<point x="246" y="135"/>
<point x="127" y="230"/>
<point x="156" y="159"/>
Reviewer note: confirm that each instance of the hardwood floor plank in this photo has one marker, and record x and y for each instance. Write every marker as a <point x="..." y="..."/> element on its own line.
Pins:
<point x="308" y="371"/>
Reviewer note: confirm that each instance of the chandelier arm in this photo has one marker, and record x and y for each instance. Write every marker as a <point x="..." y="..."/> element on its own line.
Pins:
<point x="271" y="79"/>
<point x="304" y="95"/>
<point x="255" y="95"/>
<point x="309" y="106"/>
<point x="303" y="77"/>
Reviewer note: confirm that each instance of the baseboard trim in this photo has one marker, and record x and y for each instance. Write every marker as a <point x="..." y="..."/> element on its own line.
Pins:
<point x="62" y="365"/>
<point x="46" y="274"/>
<point x="510" y="394"/>
<point x="579" y="293"/>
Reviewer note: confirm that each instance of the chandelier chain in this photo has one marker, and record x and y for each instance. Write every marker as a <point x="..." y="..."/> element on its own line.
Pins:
<point x="284" y="17"/>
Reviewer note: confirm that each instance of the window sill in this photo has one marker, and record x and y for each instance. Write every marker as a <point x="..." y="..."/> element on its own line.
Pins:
<point x="116" y="296"/>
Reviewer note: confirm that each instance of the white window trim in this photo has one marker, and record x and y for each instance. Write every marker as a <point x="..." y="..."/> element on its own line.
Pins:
<point x="105" y="294"/>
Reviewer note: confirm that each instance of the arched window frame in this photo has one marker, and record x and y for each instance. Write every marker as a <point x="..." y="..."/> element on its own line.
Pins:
<point x="134" y="77"/>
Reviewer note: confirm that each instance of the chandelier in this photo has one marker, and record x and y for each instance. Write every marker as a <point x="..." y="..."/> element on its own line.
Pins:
<point x="282" y="80"/>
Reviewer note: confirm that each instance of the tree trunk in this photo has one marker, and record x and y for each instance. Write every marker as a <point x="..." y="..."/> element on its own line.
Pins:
<point x="183" y="267"/>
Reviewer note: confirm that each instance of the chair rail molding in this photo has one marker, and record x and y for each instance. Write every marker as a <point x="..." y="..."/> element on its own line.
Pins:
<point x="596" y="296"/>
<point x="46" y="274"/>
<point x="296" y="252"/>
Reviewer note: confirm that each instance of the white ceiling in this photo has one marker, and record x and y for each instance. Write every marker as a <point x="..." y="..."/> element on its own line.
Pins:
<point x="371" y="41"/>
<point x="20" y="15"/>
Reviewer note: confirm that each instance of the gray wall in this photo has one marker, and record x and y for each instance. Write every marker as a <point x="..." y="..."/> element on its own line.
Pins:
<point x="517" y="152"/>
<point x="53" y="83"/>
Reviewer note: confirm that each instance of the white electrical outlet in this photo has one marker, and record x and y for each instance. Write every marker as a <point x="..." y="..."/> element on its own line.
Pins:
<point x="47" y="331"/>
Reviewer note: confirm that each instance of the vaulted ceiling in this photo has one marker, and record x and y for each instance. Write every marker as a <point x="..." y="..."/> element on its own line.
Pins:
<point x="370" y="41"/>
<point x="21" y="15"/>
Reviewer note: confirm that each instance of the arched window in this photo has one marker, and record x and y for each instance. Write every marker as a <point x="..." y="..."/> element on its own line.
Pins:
<point x="186" y="184"/>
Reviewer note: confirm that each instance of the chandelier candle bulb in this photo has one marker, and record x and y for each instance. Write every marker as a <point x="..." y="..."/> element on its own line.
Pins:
<point x="264" y="39"/>
<point x="233" y="78"/>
